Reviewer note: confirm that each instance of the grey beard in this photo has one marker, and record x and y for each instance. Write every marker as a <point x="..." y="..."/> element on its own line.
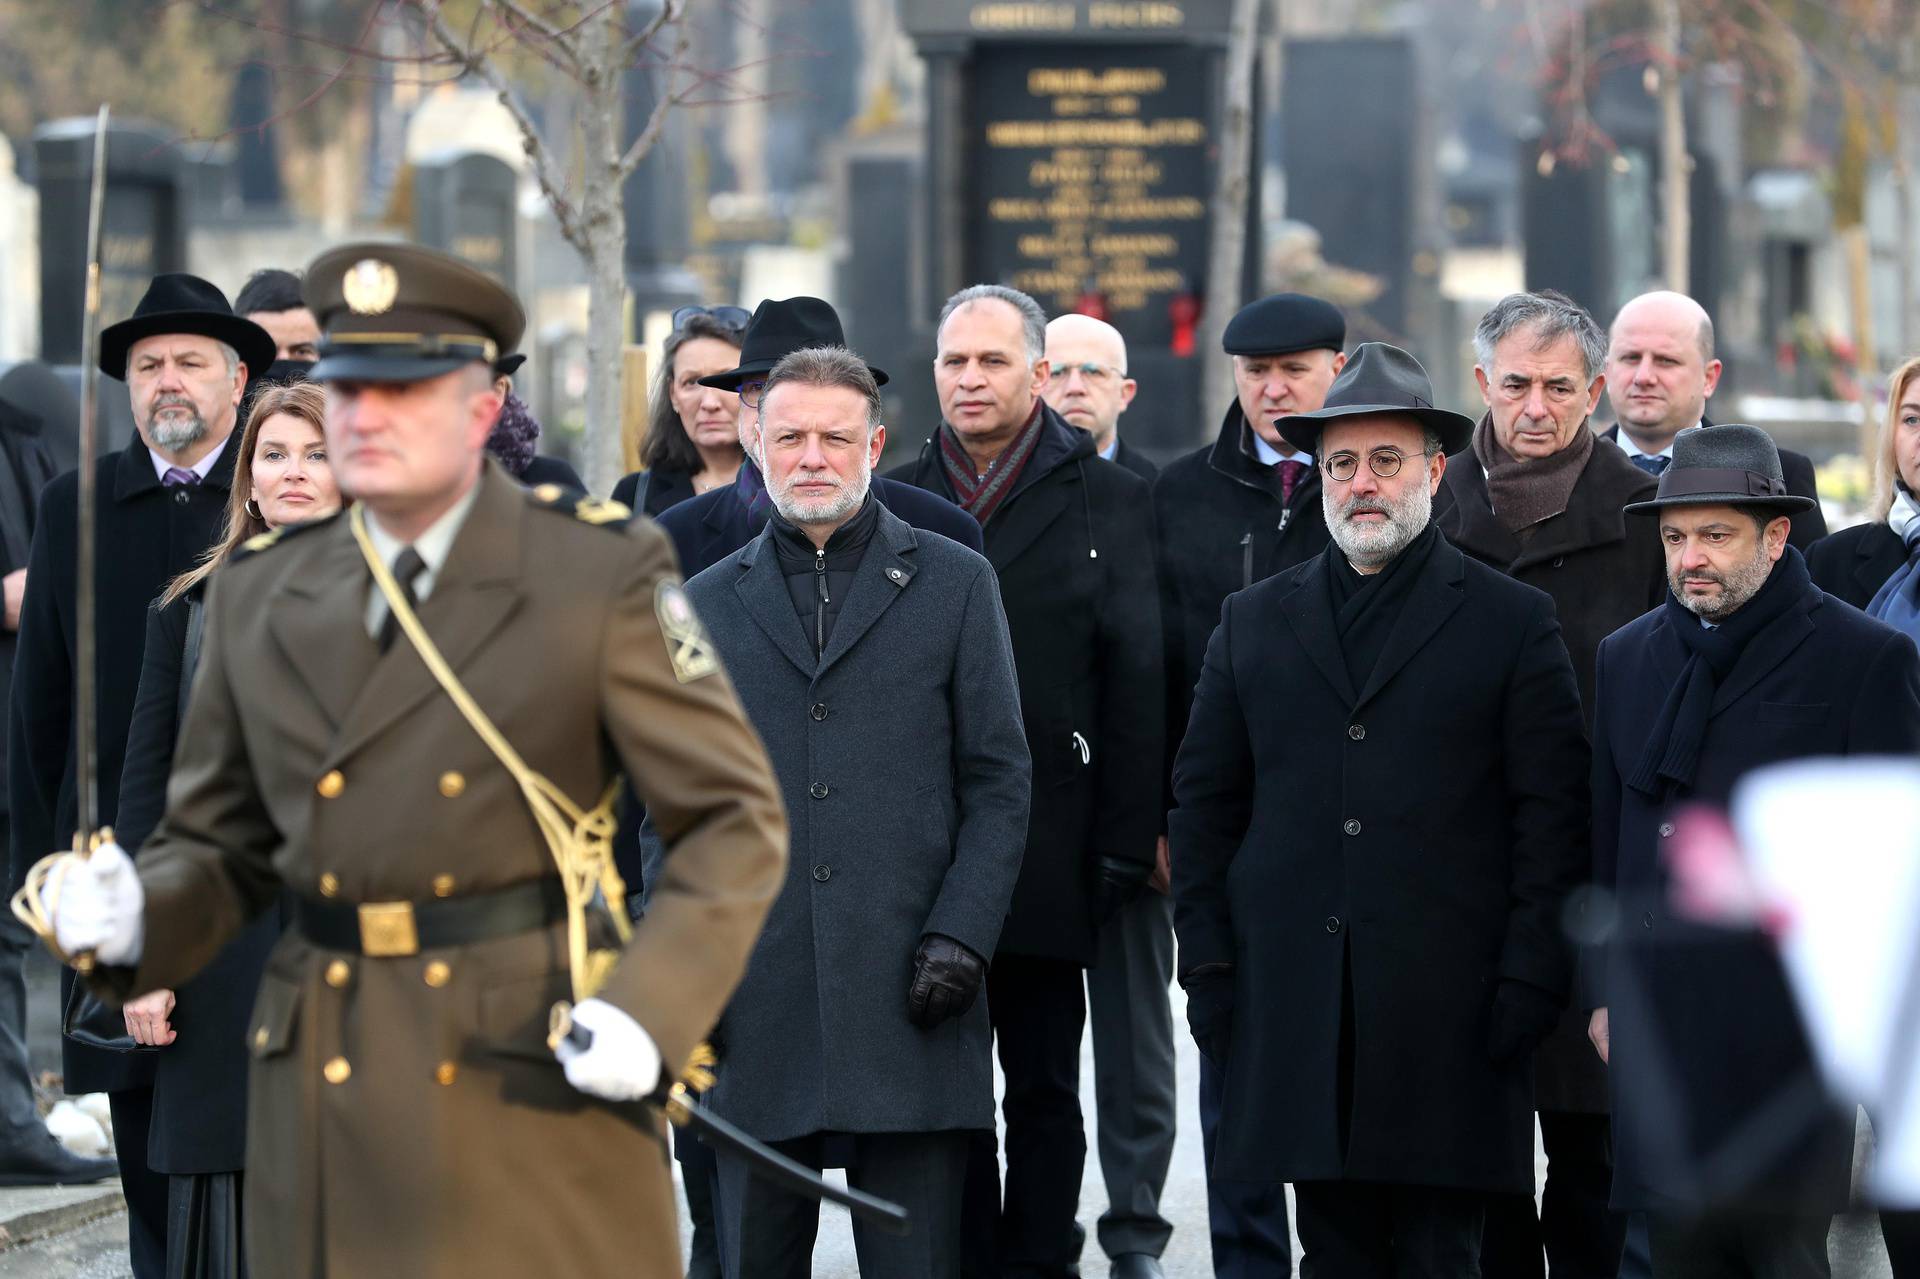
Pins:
<point x="1736" y="588"/>
<point x="826" y="510"/>
<point x="1370" y="546"/>
<point x="173" y="432"/>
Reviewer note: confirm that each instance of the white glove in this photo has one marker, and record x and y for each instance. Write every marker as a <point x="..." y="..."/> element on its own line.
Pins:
<point x="622" y="1065"/>
<point x="98" y="905"/>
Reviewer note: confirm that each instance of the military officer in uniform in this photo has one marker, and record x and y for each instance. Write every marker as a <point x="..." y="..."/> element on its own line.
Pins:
<point x="407" y="1116"/>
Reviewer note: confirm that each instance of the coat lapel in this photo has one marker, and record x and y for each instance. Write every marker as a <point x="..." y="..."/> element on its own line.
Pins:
<point x="1763" y="652"/>
<point x="476" y="591"/>
<point x="1435" y="596"/>
<point x="317" y="620"/>
<point x="884" y="572"/>
<point x="1308" y="608"/>
<point x="1026" y="515"/>
<point x="763" y="593"/>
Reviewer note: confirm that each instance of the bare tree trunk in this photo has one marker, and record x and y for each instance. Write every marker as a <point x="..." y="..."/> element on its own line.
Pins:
<point x="1228" y="264"/>
<point x="603" y="223"/>
<point x="1676" y="223"/>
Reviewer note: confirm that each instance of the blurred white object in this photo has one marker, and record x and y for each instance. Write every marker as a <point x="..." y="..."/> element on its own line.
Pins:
<point x="96" y="902"/>
<point x="78" y="1131"/>
<point x="95" y="1105"/>
<point x="1836" y="843"/>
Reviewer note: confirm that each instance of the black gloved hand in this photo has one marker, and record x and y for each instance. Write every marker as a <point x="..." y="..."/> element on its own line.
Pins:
<point x="1210" y="1011"/>
<point x="1116" y="883"/>
<point x="946" y="980"/>
<point x="1523" y="1015"/>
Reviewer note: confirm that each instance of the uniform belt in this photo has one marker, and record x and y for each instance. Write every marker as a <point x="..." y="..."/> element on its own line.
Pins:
<point x="386" y="929"/>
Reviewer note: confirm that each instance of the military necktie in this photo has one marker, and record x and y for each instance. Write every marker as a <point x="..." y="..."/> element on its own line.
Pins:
<point x="1291" y="473"/>
<point x="407" y="566"/>
<point x="1651" y="465"/>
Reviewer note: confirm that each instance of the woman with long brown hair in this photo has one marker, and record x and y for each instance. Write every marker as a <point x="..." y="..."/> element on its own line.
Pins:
<point x="198" y="1138"/>
<point x="693" y="431"/>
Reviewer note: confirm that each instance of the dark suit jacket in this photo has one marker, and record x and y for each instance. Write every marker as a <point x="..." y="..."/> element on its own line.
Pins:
<point x="147" y="534"/>
<point x="547" y="469"/>
<point x="1808" y="526"/>
<point x="1124" y="454"/>
<point x="1704" y="1032"/>
<point x="1421" y="832"/>
<point x="665" y="489"/>
<point x="714" y="525"/>
<point x="1856" y="562"/>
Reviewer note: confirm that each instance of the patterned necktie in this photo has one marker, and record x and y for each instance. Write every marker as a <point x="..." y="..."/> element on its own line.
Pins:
<point x="407" y="566"/>
<point x="1291" y="473"/>
<point x="1651" y="465"/>
<point x="179" y="475"/>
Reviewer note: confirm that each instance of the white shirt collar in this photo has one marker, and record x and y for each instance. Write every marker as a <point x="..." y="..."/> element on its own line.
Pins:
<point x="1111" y="449"/>
<point x="202" y="468"/>
<point x="1631" y="449"/>
<point x="1272" y="456"/>
<point x="433" y="546"/>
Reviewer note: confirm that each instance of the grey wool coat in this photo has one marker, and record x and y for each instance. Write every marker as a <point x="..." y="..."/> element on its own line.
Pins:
<point x="903" y="763"/>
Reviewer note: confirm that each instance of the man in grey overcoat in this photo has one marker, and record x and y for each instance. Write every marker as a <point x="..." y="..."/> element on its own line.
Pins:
<point x="875" y="661"/>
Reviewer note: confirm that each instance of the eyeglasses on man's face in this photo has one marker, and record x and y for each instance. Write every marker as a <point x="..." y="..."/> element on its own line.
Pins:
<point x="732" y="317"/>
<point x="752" y="391"/>
<point x="1385" y="463"/>
<point x="1091" y="374"/>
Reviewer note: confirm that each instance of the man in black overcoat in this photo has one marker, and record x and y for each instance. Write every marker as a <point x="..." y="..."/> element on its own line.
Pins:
<point x="1540" y="498"/>
<point x="1661" y="370"/>
<point x="1379" y="819"/>
<point x="1746" y="663"/>
<point x="185" y="357"/>
<point x="1069" y="537"/>
<point x="1225" y="516"/>
<point x="708" y="528"/>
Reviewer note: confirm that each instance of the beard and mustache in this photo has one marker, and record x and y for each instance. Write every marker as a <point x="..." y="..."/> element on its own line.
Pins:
<point x="1737" y="585"/>
<point x="1369" y="546"/>
<point x="176" y="429"/>
<point x="835" y="507"/>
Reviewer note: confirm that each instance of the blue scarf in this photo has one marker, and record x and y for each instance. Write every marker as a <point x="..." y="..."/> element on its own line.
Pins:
<point x="1898" y="602"/>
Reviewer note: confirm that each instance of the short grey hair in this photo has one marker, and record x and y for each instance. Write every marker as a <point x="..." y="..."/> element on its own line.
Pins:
<point x="1033" y="320"/>
<point x="1430" y="443"/>
<point x="232" y="358"/>
<point x="1549" y="316"/>
<point x="827" y="366"/>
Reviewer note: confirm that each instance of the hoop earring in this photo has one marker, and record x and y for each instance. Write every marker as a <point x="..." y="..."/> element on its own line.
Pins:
<point x="247" y="506"/>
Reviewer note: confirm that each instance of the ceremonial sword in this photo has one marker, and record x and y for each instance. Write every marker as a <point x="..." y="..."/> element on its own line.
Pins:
<point x="86" y="747"/>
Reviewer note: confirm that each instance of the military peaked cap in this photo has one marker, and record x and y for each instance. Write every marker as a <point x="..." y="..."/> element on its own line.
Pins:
<point x="402" y="313"/>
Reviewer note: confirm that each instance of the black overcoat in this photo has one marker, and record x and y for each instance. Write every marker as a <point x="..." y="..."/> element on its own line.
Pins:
<point x="146" y="535"/>
<point x="665" y="490"/>
<point x="1073" y="546"/>
<point x="1824" y="679"/>
<point x="1124" y="454"/>
<point x="1220" y="526"/>
<point x="901" y="759"/>
<point x="200" y="1079"/>
<point x="1853" y="564"/>
<point x="1603" y="568"/>
<point x="26" y="464"/>
<point x="1428" y="825"/>
<point x="708" y="528"/>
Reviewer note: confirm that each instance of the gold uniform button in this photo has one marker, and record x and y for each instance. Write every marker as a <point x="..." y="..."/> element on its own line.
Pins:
<point x="548" y="492"/>
<point x="337" y="1070"/>
<point x="438" y="974"/>
<point x="338" y="974"/>
<point x="452" y="785"/>
<point x="329" y="885"/>
<point x="260" y="1037"/>
<point x="444" y="1073"/>
<point x="331" y="785"/>
<point x="443" y="885"/>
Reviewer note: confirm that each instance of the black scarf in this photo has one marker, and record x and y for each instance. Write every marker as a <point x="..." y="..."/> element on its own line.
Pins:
<point x="1367" y="605"/>
<point x="1673" y="747"/>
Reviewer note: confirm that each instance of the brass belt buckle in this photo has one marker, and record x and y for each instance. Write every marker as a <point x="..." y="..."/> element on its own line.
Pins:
<point x="387" y="930"/>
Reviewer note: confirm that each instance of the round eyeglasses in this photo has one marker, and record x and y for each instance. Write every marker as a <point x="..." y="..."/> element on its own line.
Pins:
<point x="1385" y="463"/>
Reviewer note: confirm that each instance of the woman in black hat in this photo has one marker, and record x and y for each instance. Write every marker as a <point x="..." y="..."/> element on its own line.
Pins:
<point x="693" y="431"/>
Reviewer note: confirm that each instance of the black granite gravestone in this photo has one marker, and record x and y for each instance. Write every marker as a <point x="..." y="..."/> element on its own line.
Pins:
<point x="467" y="204"/>
<point x="143" y="229"/>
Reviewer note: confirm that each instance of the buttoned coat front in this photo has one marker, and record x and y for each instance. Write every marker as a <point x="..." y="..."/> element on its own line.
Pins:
<point x="1421" y="831"/>
<point x="406" y="1117"/>
<point x="904" y="767"/>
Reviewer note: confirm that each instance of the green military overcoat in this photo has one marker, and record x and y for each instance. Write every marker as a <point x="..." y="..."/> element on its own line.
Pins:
<point x="388" y="1134"/>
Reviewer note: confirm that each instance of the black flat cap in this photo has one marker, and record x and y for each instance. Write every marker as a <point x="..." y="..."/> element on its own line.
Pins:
<point x="1726" y="464"/>
<point x="1378" y="380"/>
<point x="176" y="302"/>
<point x="778" y="329"/>
<point x="1282" y="323"/>
<point x="402" y="313"/>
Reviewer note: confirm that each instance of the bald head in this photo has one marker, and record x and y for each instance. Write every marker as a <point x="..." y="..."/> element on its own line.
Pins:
<point x="1660" y="367"/>
<point x="1087" y="382"/>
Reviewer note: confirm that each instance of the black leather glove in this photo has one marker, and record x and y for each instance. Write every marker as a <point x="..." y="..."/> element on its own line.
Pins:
<point x="946" y="980"/>
<point x="1115" y="884"/>
<point x="1523" y="1015"/>
<point x="1210" y="1011"/>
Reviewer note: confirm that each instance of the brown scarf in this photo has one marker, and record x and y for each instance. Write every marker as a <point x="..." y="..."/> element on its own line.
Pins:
<point x="981" y="495"/>
<point x="1525" y="493"/>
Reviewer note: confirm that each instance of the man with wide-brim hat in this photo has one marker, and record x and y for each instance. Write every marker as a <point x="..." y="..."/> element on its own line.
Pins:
<point x="708" y="528"/>
<point x="1746" y="664"/>
<point x="409" y="720"/>
<point x="1381" y="808"/>
<point x="161" y="502"/>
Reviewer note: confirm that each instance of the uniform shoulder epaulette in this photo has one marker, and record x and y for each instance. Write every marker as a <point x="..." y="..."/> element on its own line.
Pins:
<point x="588" y="510"/>
<point x="275" y="536"/>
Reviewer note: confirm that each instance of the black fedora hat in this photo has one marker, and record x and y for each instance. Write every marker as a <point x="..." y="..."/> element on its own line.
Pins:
<point x="176" y="302"/>
<point x="777" y="330"/>
<point x="1378" y="379"/>
<point x="1727" y="464"/>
